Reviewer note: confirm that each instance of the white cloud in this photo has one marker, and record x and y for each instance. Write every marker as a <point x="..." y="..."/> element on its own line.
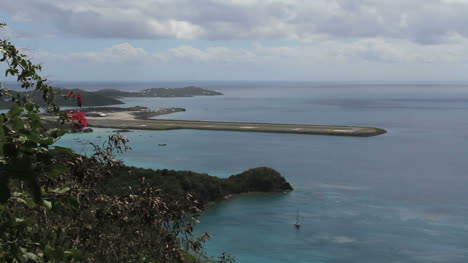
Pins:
<point x="421" y="21"/>
<point x="379" y="50"/>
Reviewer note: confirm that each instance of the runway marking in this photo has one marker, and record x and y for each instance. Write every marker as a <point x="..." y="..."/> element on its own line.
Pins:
<point x="342" y="130"/>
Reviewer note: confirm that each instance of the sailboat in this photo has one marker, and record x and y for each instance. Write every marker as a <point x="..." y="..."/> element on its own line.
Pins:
<point x="297" y="225"/>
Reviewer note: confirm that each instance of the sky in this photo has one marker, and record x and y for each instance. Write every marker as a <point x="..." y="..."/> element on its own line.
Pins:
<point x="224" y="40"/>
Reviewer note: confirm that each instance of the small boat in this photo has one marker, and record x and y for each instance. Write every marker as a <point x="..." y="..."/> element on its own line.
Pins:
<point x="297" y="225"/>
<point x="162" y="144"/>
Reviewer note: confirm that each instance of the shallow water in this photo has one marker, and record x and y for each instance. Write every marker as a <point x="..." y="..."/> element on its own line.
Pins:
<point x="398" y="197"/>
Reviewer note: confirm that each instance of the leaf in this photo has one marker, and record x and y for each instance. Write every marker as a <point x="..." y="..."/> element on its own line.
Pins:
<point x="74" y="253"/>
<point x="34" y="116"/>
<point x="23" y="221"/>
<point x="33" y="137"/>
<point x="18" y="123"/>
<point x="47" y="204"/>
<point x="64" y="150"/>
<point x="28" y="256"/>
<point x="15" y="110"/>
<point x="29" y="202"/>
<point x="29" y="106"/>
<point x="47" y="141"/>
<point x="55" y="133"/>
<point x="57" y="170"/>
<point x="60" y="190"/>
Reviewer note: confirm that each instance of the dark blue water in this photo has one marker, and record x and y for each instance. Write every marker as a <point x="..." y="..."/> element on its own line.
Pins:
<point x="398" y="197"/>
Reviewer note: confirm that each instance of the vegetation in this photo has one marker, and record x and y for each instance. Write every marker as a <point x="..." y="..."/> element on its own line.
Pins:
<point x="107" y="97"/>
<point x="57" y="206"/>
<point x="202" y="187"/>
<point x="50" y="210"/>
<point x="190" y="91"/>
<point x="89" y="98"/>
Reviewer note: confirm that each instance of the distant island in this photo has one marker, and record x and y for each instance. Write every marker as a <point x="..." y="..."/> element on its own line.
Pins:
<point x="108" y="97"/>
<point x="190" y="91"/>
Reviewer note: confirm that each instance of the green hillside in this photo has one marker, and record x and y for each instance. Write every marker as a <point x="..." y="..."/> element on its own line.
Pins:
<point x="89" y="98"/>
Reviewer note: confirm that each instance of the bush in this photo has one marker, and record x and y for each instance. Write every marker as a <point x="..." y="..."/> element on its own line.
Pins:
<point x="50" y="206"/>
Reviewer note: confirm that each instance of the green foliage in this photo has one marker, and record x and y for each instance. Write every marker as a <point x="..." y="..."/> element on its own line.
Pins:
<point x="203" y="258"/>
<point x="26" y="163"/>
<point x="24" y="142"/>
<point x="90" y="98"/>
<point x="50" y="209"/>
<point x="203" y="187"/>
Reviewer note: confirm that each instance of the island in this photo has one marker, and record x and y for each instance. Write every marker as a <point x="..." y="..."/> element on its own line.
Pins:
<point x="190" y="91"/>
<point x="107" y="97"/>
<point x="89" y="98"/>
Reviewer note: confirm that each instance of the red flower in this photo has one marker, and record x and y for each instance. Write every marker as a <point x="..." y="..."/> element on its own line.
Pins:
<point x="78" y="120"/>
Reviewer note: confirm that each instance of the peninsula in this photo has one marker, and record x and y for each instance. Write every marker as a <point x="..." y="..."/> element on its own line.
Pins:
<point x="107" y="97"/>
<point x="90" y="98"/>
<point x="205" y="188"/>
<point x="190" y="91"/>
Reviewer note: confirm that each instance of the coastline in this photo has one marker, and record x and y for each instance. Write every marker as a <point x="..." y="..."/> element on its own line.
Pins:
<point x="233" y="196"/>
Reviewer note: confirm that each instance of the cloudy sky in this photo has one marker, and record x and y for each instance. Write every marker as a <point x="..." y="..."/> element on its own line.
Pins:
<point x="151" y="40"/>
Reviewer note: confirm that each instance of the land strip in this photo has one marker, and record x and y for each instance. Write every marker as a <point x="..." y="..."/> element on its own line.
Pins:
<point x="150" y="124"/>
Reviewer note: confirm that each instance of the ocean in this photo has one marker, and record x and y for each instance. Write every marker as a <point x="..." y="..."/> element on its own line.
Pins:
<point x="397" y="197"/>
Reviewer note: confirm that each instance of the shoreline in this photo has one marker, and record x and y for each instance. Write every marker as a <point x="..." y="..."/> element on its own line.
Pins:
<point x="229" y="197"/>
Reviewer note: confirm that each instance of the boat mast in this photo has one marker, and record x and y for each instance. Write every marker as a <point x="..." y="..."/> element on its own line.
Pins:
<point x="297" y="225"/>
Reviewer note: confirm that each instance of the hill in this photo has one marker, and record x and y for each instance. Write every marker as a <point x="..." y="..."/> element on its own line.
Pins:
<point x="89" y="98"/>
<point x="203" y="187"/>
<point x="190" y="91"/>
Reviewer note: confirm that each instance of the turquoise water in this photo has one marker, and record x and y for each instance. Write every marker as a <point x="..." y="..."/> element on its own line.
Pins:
<point x="399" y="197"/>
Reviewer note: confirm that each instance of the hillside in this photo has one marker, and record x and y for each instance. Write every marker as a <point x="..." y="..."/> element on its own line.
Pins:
<point x="203" y="187"/>
<point x="190" y="91"/>
<point x="89" y="98"/>
<point x="107" y="97"/>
